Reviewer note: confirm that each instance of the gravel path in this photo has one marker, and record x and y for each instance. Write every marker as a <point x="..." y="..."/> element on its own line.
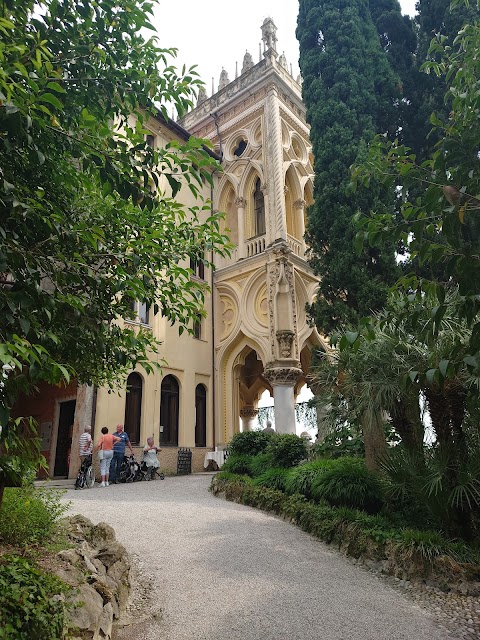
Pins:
<point x="216" y="570"/>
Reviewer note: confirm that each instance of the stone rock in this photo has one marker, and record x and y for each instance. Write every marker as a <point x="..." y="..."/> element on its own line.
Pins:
<point x="104" y="590"/>
<point x="71" y="575"/>
<point x="122" y="597"/>
<point x="116" y="609"/>
<point x="105" y="624"/>
<point x="69" y="555"/>
<point x="118" y="571"/>
<point x="100" y="567"/>
<point x="88" y="607"/>
<point x="101" y="533"/>
<point x="88" y="563"/>
<point x="111" y="553"/>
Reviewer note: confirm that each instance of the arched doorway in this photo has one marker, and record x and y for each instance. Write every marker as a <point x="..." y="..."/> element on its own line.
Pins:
<point x="133" y="407"/>
<point x="169" y="411"/>
<point x="200" y="416"/>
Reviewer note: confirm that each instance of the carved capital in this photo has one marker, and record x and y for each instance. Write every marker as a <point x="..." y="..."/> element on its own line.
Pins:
<point x="283" y="375"/>
<point x="264" y="188"/>
<point x="248" y="412"/>
<point x="281" y="250"/>
<point x="241" y="203"/>
<point x="285" y="340"/>
<point x="285" y="189"/>
<point x="300" y="204"/>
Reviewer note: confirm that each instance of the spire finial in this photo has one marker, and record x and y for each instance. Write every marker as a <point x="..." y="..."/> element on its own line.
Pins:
<point x="269" y="34"/>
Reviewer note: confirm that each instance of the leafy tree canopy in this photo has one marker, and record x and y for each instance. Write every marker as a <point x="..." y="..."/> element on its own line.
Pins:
<point x="350" y="91"/>
<point x="91" y="218"/>
<point x="448" y="206"/>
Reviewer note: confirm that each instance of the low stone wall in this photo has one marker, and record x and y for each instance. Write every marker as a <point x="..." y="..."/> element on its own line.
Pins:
<point x="98" y="568"/>
<point x="167" y="457"/>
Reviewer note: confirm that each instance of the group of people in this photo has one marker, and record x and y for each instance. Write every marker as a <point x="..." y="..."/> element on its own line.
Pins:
<point x="112" y="447"/>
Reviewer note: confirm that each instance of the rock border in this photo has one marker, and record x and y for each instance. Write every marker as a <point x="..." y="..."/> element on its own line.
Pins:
<point x="97" y="566"/>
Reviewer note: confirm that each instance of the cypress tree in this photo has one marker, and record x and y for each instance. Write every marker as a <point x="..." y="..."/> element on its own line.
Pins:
<point x="426" y="92"/>
<point x="398" y="39"/>
<point x="351" y="92"/>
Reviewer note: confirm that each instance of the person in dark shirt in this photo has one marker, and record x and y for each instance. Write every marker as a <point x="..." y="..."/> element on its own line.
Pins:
<point x="119" y="453"/>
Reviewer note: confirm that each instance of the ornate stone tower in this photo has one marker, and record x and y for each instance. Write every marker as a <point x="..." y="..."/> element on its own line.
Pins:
<point x="262" y="337"/>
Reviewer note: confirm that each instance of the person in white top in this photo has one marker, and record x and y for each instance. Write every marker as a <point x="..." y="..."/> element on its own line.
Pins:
<point x="86" y="442"/>
<point x="150" y="457"/>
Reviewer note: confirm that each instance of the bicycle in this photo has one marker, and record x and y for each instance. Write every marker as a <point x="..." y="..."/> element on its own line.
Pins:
<point x="86" y="474"/>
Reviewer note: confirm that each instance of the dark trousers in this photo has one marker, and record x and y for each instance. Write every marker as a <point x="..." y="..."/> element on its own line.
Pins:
<point x="115" y="465"/>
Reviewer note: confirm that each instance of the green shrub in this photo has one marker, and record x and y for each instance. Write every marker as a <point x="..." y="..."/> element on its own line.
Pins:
<point x="346" y="440"/>
<point x="249" y="443"/>
<point x="429" y="490"/>
<point x="274" y="478"/>
<point x="228" y="476"/>
<point x="348" y="483"/>
<point x="300" y="478"/>
<point x="287" y="450"/>
<point x="30" y="606"/>
<point x="32" y="514"/>
<point x="260" y="464"/>
<point x="230" y="484"/>
<point x="238" y="464"/>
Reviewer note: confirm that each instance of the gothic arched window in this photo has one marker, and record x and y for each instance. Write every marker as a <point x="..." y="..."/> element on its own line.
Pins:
<point x="169" y="411"/>
<point x="133" y="407"/>
<point x="259" y="208"/>
<point x="200" y="416"/>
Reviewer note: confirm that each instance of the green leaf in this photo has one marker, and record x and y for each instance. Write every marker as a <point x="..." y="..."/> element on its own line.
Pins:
<point x="55" y="86"/>
<point x="351" y="336"/>
<point x="471" y="361"/>
<point x="443" y="366"/>
<point x="51" y="99"/>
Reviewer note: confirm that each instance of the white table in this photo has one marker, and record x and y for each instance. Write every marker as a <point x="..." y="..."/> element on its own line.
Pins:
<point x="217" y="456"/>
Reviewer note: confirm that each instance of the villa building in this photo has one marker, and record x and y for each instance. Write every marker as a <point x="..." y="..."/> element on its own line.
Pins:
<point x="256" y="336"/>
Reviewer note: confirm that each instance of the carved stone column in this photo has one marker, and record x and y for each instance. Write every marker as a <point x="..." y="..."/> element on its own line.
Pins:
<point x="273" y="161"/>
<point x="248" y="415"/>
<point x="241" y="203"/>
<point x="83" y="417"/>
<point x="283" y="381"/>
<point x="300" y="220"/>
<point x="268" y="220"/>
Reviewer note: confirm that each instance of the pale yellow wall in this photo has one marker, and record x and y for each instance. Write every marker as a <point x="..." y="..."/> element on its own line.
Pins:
<point x="188" y="359"/>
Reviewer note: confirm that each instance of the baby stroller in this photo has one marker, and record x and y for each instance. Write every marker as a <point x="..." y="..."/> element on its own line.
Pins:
<point x="86" y="475"/>
<point x="131" y="471"/>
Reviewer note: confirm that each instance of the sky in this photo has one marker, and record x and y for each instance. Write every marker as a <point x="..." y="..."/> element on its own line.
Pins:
<point x="215" y="35"/>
